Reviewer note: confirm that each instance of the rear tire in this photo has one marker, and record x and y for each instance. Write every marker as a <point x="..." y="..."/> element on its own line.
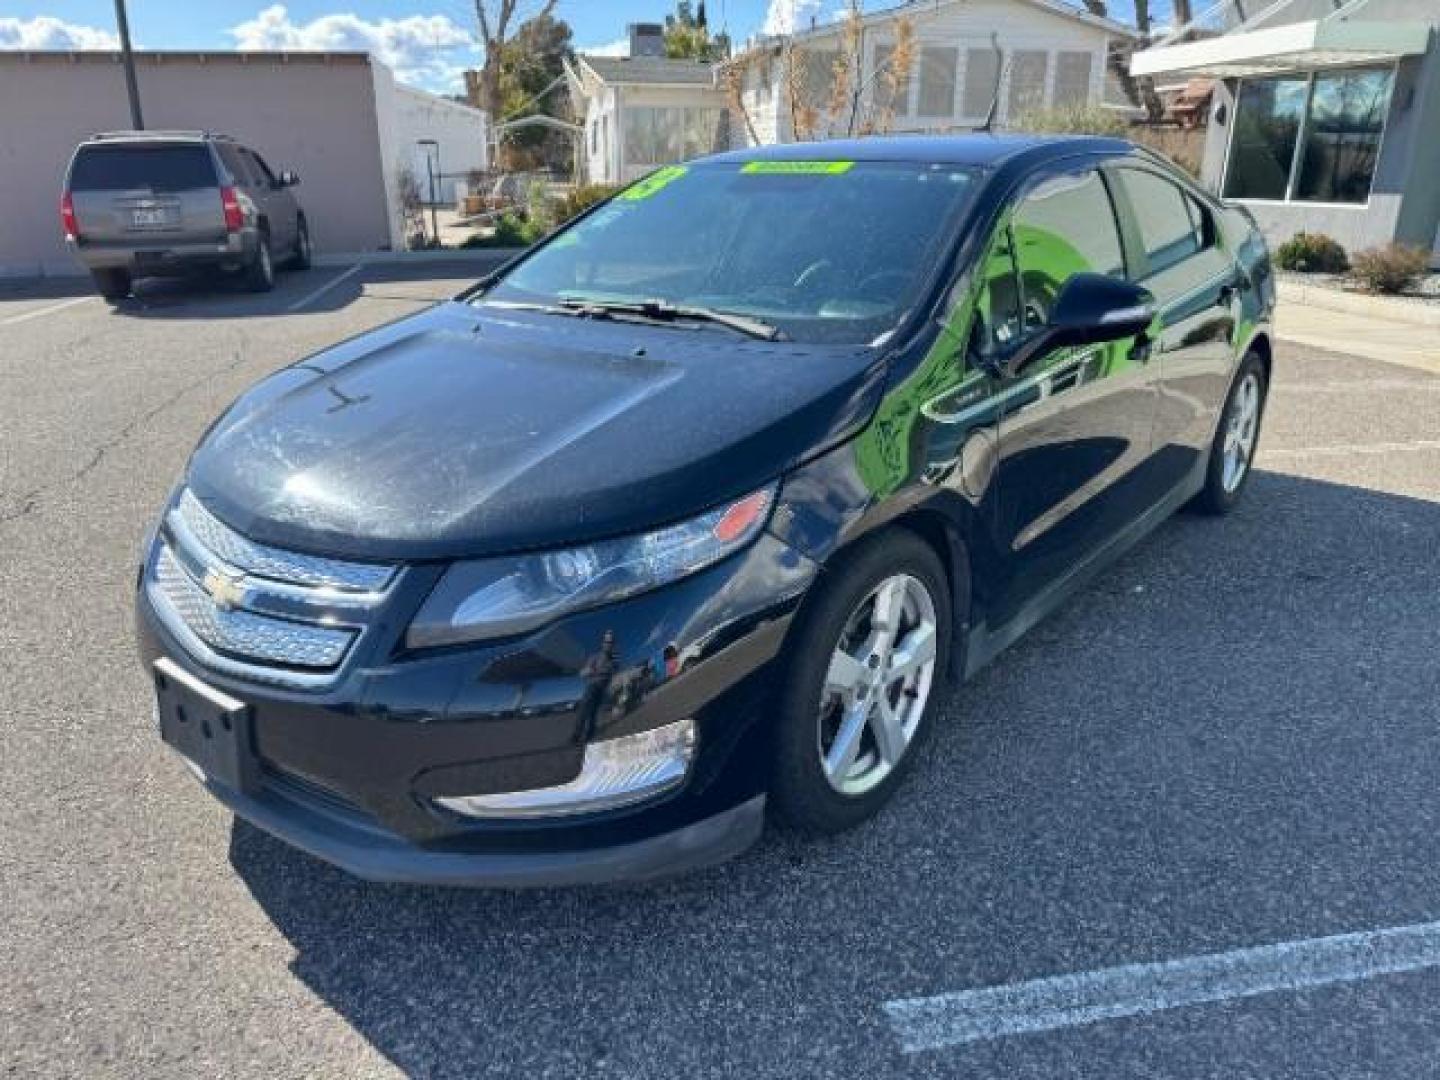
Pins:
<point x="114" y="285"/>
<point x="304" y="252"/>
<point x="1232" y="453"/>
<point x="260" y="270"/>
<point x="859" y="679"/>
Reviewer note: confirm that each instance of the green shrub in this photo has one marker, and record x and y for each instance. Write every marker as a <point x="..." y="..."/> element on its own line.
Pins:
<point x="1394" y="268"/>
<point x="582" y="198"/>
<point x="510" y="231"/>
<point x="1312" y="253"/>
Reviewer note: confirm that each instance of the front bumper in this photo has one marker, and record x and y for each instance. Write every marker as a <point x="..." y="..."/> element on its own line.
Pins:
<point x="352" y="771"/>
<point x="376" y="855"/>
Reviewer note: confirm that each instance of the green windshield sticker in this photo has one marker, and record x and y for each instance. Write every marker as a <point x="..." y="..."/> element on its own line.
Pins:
<point x="660" y="178"/>
<point x="797" y="168"/>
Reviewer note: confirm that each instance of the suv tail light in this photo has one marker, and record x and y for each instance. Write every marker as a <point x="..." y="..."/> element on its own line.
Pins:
<point x="67" y="217"/>
<point x="230" y="203"/>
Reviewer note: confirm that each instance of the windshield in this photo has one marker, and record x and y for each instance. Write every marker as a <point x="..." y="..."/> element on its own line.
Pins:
<point x="825" y="251"/>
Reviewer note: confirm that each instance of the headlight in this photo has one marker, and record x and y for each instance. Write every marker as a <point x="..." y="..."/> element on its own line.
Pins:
<point x="490" y="598"/>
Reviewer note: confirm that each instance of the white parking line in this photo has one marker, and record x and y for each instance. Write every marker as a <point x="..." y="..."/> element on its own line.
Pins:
<point x="310" y="298"/>
<point x="25" y="317"/>
<point x="1139" y="989"/>
<point x="1345" y="450"/>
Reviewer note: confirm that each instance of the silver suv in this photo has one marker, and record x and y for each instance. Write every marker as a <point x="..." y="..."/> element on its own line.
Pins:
<point x="143" y="203"/>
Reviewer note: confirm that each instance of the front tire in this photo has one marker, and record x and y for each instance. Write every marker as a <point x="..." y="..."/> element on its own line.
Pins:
<point x="304" y="251"/>
<point x="867" y="671"/>
<point x="1232" y="453"/>
<point x="114" y="285"/>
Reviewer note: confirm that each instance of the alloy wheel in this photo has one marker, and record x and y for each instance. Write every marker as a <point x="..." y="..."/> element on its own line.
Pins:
<point x="877" y="685"/>
<point x="1240" y="429"/>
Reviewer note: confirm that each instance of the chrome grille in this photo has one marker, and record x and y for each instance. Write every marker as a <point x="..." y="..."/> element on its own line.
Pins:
<point x="298" y="569"/>
<point x="258" y="611"/>
<point x="243" y="633"/>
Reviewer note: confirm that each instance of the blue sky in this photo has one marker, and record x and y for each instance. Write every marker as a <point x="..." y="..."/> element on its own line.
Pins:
<point x="425" y="38"/>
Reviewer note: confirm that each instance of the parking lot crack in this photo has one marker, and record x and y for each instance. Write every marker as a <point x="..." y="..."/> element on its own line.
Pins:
<point x="31" y="501"/>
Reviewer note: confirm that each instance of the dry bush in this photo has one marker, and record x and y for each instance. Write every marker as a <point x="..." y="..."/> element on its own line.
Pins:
<point x="1394" y="268"/>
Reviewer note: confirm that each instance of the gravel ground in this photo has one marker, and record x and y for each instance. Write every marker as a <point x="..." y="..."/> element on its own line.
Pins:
<point x="1229" y="740"/>
<point x="1425" y="291"/>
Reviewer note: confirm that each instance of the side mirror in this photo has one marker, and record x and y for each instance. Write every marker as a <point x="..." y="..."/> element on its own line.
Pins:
<point x="1090" y="310"/>
<point x="289" y="178"/>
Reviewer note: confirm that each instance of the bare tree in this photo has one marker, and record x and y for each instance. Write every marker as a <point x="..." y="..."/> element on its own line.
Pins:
<point x="1141" y="91"/>
<point x="497" y="17"/>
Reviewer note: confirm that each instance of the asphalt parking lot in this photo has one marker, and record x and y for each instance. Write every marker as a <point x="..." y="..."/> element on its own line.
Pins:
<point x="1231" y="741"/>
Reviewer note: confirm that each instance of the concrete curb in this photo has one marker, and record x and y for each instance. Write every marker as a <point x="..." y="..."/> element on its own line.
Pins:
<point x="1375" y="307"/>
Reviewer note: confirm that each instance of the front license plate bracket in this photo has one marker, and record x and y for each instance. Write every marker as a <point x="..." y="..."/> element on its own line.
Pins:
<point x="207" y="726"/>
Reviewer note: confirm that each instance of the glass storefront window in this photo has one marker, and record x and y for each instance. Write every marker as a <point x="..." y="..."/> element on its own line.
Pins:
<point x="1342" y="142"/>
<point x="1339" y="115"/>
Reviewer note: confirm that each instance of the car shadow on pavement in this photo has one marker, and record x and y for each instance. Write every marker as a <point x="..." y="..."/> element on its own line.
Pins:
<point x="1228" y="739"/>
<point x="218" y="295"/>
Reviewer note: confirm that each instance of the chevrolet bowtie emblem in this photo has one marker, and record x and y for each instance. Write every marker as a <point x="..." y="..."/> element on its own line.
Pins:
<point x="227" y="592"/>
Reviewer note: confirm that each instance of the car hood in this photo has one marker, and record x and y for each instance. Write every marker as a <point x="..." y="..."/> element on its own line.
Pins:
<point x="471" y="431"/>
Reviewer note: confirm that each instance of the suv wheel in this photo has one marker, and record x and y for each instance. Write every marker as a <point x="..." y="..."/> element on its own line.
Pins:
<point x="867" y="672"/>
<point x="304" y="252"/>
<point x="260" y="271"/>
<point x="1233" y="450"/>
<point x="113" y="284"/>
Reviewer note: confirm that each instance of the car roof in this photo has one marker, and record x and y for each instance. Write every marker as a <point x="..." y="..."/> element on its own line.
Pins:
<point x="979" y="149"/>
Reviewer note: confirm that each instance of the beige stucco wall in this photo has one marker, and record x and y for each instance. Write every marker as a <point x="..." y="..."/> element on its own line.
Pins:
<point x="314" y="114"/>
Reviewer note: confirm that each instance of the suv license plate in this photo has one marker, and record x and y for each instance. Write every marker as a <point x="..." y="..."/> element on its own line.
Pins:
<point x="207" y="726"/>
<point x="143" y="219"/>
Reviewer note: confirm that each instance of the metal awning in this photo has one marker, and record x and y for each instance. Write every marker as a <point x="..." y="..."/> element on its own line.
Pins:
<point x="1260" y="47"/>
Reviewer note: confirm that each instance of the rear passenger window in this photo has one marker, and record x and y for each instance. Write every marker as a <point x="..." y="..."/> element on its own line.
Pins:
<point x="1065" y="226"/>
<point x="129" y="168"/>
<point x="1172" y="226"/>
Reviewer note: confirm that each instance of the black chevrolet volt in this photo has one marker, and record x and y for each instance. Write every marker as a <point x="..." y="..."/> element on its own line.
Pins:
<point x="692" y="515"/>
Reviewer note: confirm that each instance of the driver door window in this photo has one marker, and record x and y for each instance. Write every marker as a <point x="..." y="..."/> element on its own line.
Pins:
<point x="1065" y="226"/>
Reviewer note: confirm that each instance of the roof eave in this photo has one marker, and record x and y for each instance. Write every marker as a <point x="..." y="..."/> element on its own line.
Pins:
<point x="1309" y="44"/>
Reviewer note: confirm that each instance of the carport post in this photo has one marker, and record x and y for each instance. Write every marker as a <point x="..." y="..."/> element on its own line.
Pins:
<point x="123" y="25"/>
<point x="432" y="166"/>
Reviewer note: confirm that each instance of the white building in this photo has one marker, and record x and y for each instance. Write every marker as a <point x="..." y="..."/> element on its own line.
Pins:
<point x="643" y="110"/>
<point x="459" y="134"/>
<point x="1051" y="55"/>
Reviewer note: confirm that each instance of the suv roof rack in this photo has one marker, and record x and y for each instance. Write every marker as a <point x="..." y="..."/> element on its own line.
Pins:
<point x="101" y="136"/>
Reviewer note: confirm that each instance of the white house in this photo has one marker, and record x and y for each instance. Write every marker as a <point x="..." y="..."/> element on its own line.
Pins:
<point x="643" y="110"/>
<point x="1050" y="54"/>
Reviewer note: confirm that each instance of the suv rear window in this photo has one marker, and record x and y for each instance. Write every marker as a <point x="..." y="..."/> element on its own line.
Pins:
<point x="159" y="168"/>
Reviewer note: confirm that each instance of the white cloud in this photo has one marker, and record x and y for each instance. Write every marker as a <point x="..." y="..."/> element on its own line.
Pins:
<point x="618" y="47"/>
<point x="419" y="48"/>
<point x="45" y="32"/>
<point x="788" y="16"/>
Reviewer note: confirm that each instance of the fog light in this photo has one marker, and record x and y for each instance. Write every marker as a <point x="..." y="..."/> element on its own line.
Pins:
<point x="616" y="772"/>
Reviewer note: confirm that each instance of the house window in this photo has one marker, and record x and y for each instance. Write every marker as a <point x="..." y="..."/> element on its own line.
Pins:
<point x="1308" y="138"/>
<point x="1027" y="81"/>
<point x="1072" y="78"/>
<point x="891" y="93"/>
<point x="982" y="67"/>
<point x="662" y="135"/>
<point x="937" y="82"/>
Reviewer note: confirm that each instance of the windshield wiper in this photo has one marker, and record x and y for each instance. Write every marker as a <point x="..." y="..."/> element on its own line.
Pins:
<point x="664" y="311"/>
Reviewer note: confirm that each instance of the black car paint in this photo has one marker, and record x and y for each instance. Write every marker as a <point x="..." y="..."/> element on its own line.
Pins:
<point x="400" y="727"/>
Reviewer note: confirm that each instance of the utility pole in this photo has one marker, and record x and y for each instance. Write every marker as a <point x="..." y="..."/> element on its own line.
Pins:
<point x="123" y="24"/>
